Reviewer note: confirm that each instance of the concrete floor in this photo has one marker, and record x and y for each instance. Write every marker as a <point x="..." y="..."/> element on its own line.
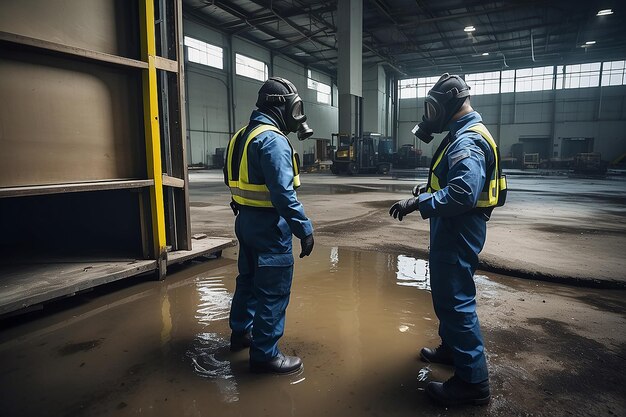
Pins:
<point x="356" y="318"/>
<point x="552" y="227"/>
<point x="360" y="310"/>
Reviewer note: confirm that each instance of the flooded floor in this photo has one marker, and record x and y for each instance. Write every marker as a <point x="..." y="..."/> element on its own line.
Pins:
<point x="357" y="319"/>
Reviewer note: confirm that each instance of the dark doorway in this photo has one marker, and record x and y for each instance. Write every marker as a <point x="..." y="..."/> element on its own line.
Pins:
<point x="572" y="146"/>
<point x="540" y="145"/>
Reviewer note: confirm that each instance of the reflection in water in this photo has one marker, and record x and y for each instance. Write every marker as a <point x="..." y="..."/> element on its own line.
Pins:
<point x="214" y="304"/>
<point x="356" y="319"/>
<point x="488" y="288"/>
<point x="298" y="381"/>
<point x="214" y="300"/>
<point x="166" y="319"/>
<point x="424" y="376"/>
<point x="334" y="258"/>
<point x="413" y="273"/>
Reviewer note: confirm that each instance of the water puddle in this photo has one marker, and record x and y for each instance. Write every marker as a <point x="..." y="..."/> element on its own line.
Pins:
<point x="357" y="319"/>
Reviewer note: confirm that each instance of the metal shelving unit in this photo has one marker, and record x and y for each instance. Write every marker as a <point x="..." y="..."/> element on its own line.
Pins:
<point x="93" y="170"/>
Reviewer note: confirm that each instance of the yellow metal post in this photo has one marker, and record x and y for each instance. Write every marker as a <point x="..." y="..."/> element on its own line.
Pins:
<point x="151" y="124"/>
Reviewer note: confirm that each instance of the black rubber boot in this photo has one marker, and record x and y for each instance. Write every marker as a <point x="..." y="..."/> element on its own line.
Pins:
<point x="281" y="364"/>
<point x="455" y="391"/>
<point x="240" y="341"/>
<point x="442" y="354"/>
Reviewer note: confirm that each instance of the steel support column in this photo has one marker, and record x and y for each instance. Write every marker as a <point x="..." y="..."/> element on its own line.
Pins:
<point x="350" y="63"/>
<point x="152" y="135"/>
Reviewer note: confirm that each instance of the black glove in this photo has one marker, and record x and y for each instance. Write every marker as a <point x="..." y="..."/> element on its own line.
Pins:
<point x="404" y="207"/>
<point x="307" y="245"/>
<point x="234" y="207"/>
<point x="419" y="189"/>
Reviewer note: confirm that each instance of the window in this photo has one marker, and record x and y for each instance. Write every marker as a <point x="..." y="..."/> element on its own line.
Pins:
<point x="507" y="84"/>
<point x="416" y="87"/>
<point x="204" y="53"/>
<point x="534" y="79"/>
<point x="249" y="67"/>
<point x="425" y="84"/>
<point x="560" y="75"/>
<point x="323" y="90"/>
<point x="408" y="88"/>
<point x="582" y="75"/>
<point x="323" y="93"/>
<point x="613" y="73"/>
<point x="483" y="83"/>
<point x="311" y="83"/>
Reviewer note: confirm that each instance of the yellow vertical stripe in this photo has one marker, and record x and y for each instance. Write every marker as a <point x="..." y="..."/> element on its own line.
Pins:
<point x="151" y="125"/>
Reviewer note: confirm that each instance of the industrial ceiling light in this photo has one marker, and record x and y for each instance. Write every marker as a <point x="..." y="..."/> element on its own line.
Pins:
<point x="590" y="42"/>
<point x="604" y="12"/>
<point x="485" y="53"/>
<point x="469" y="29"/>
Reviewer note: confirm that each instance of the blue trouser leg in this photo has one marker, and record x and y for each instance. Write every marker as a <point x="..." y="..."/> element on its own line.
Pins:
<point x="244" y="303"/>
<point x="264" y="282"/>
<point x="454" y="292"/>
<point x="272" y="289"/>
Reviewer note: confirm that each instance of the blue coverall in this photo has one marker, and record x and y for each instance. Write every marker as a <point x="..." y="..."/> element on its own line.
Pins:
<point x="457" y="235"/>
<point x="265" y="255"/>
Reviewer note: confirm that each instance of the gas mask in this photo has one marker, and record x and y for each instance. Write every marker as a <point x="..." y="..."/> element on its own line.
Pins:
<point x="443" y="101"/>
<point x="290" y="108"/>
<point x="296" y="120"/>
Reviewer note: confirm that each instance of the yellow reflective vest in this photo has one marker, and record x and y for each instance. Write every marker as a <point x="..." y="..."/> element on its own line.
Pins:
<point x="494" y="192"/>
<point x="242" y="190"/>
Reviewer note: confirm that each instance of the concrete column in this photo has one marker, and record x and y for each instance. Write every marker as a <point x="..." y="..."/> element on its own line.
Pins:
<point x="350" y="63"/>
<point x="375" y="99"/>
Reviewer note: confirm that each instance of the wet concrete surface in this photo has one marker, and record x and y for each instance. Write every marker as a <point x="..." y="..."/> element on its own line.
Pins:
<point x="356" y="318"/>
<point x="555" y="228"/>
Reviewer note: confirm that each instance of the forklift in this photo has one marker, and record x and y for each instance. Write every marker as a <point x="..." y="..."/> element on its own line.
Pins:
<point x="355" y="155"/>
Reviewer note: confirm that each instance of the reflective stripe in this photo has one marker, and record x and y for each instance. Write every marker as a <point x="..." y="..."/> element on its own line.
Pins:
<point x="490" y="196"/>
<point x="251" y="198"/>
<point x="244" y="193"/>
<point x="231" y="147"/>
<point x="434" y="180"/>
<point x="251" y="187"/>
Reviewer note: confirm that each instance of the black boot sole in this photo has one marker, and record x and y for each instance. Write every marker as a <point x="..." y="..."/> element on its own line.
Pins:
<point x="256" y="370"/>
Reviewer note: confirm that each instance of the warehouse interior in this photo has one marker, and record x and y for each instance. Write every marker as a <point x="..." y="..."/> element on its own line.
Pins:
<point x="546" y="108"/>
<point x="119" y="255"/>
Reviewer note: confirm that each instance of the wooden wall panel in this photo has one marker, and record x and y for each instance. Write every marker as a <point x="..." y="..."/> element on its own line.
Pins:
<point x="108" y="26"/>
<point x="66" y="121"/>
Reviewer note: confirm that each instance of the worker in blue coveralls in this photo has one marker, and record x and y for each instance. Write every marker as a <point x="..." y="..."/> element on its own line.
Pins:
<point x="465" y="184"/>
<point x="262" y="174"/>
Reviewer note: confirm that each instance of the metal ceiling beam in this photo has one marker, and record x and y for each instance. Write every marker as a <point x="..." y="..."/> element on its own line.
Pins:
<point x="443" y="38"/>
<point x="304" y="39"/>
<point x="242" y="14"/>
<point x="457" y="16"/>
<point x="203" y="18"/>
<point x="516" y="61"/>
<point x="383" y="8"/>
<point x="294" y="26"/>
<point x="496" y="33"/>
<point x="558" y="44"/>
<point x="269" y="18"/>
<point x="389" y="61"/>
<point x="432" y="19"/>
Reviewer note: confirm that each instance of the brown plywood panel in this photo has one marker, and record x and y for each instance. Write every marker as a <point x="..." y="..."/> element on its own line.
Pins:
<point x="108" y="26"/>
<point x="65" y="121"/>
